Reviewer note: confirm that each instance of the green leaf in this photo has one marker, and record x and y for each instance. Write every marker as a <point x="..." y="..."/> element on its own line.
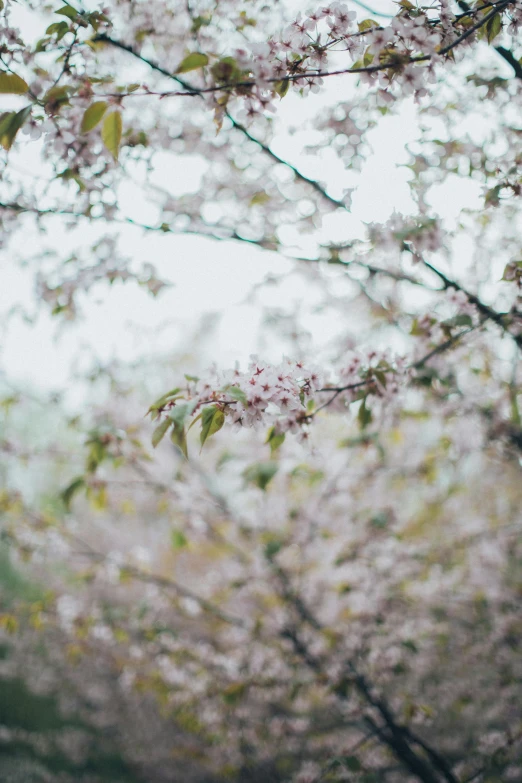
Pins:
<point x="352" y="763"/>
<point x="199" y="22"/>
<point x="512" y="271"/>
<point x="282" y="87"/>
<point x="463" y="320"/>
<point x="493" y="27"/>
<point x="233" y="693"/>
<point x="195" y="420"/>
<point x="416" y="330"/>
<point x="111" y="132"/>
<point x="367" y="58"/>
<point x="178" y="539"/>
<point x="93" y="115"/>
<point x="261" y="474"/>
<point x="225" y="70"/>
<point x="71" y="174"/>
<point x="212" y="420"/>
<point x="274" y="439"/>
<point x="57" y="97"/>
<point x="379" y="521"/>
<point x="10" y="124"/>
<point x="179" y="413"/>
<point x="492" y="198"/>
<point x="98" y="497"/>
<point x="306" y="473"/>
<point x="161" y="402"/>
<point x="159" y="432"/>
<point x="5" y="121"/>
<point x="68" y="11"/>
<point x="364" y="415"/>
<point x="69" y="492"/>
<point x="60" y="28"/>
<point x="192" y="62"/>
<point x="178" y="437"/>
<point x="12" y="84"/>
<point x="261" y="197"/>
<point x="237" y="394"/>
<point x="272" y="547"/>
<point x="366" y="24"/>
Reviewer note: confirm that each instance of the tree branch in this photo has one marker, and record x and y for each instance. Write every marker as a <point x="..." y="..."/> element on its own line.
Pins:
<point x="268" y="151"/>
<point x="199" y="92"/>
<point x="398" y="738"/>
<point x="486" y="310"/>
<point x="507" y="54"/>
<point x="510" y="58"/>
<point x="294" y="77"/>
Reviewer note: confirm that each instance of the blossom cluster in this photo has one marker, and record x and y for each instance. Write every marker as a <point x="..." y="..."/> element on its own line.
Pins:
<point x="284" y="396"/>
<point x="307" y="45"/>
<point x="417" y="235"/>
<point x="277" y="394"/>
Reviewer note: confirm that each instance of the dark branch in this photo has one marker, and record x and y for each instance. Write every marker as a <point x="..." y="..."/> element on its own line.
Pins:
<point x="199" y="92"/>
<point x="498" y="318"/>
<point x="391" y="64"/>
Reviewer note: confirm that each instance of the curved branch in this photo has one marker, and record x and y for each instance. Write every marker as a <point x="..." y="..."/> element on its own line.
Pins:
<point x="198" y="92"/>
<point x="268" y="151"/>
<point x="392" y="64"/>
<point x="486" y="310"/>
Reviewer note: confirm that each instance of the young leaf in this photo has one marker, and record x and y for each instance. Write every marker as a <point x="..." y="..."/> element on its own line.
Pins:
<point x="58" y="28"/>
<point x="178" y="539"/>
<point x="179" y="413"/>
<point x="159" y="432"/>
<point x="56" y="97"/>
<point x="111" y="132"/>
<point x="282" y="87"/>
<point x="366" y="24"/>
<point x="272" y="547"/>
<point x="5" y="123"/>
<point x="163" y="400"/>
<point x="195" y="419"/>
<point x="261" y="197"/>
<point x="364" y="415"/>
<point x="494" y="27"/>
<point x="93" y="115"/>
<point x="192" y="62"/>
<point x="274" y="439"/>
<point x="237" y="394"/>
<point x="178" y="437"/>
<point x="10" y="124"/>
<point x="68" y="11"/>
<point x="212" y="420"/>
<point x="70" y="491"/>
<point x="260" y="474"/>
<point x="12" y="84"/>
<point x="367" y="58"/>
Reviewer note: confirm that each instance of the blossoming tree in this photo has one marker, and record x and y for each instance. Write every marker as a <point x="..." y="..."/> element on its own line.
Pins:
<point x="304" y="569"/>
